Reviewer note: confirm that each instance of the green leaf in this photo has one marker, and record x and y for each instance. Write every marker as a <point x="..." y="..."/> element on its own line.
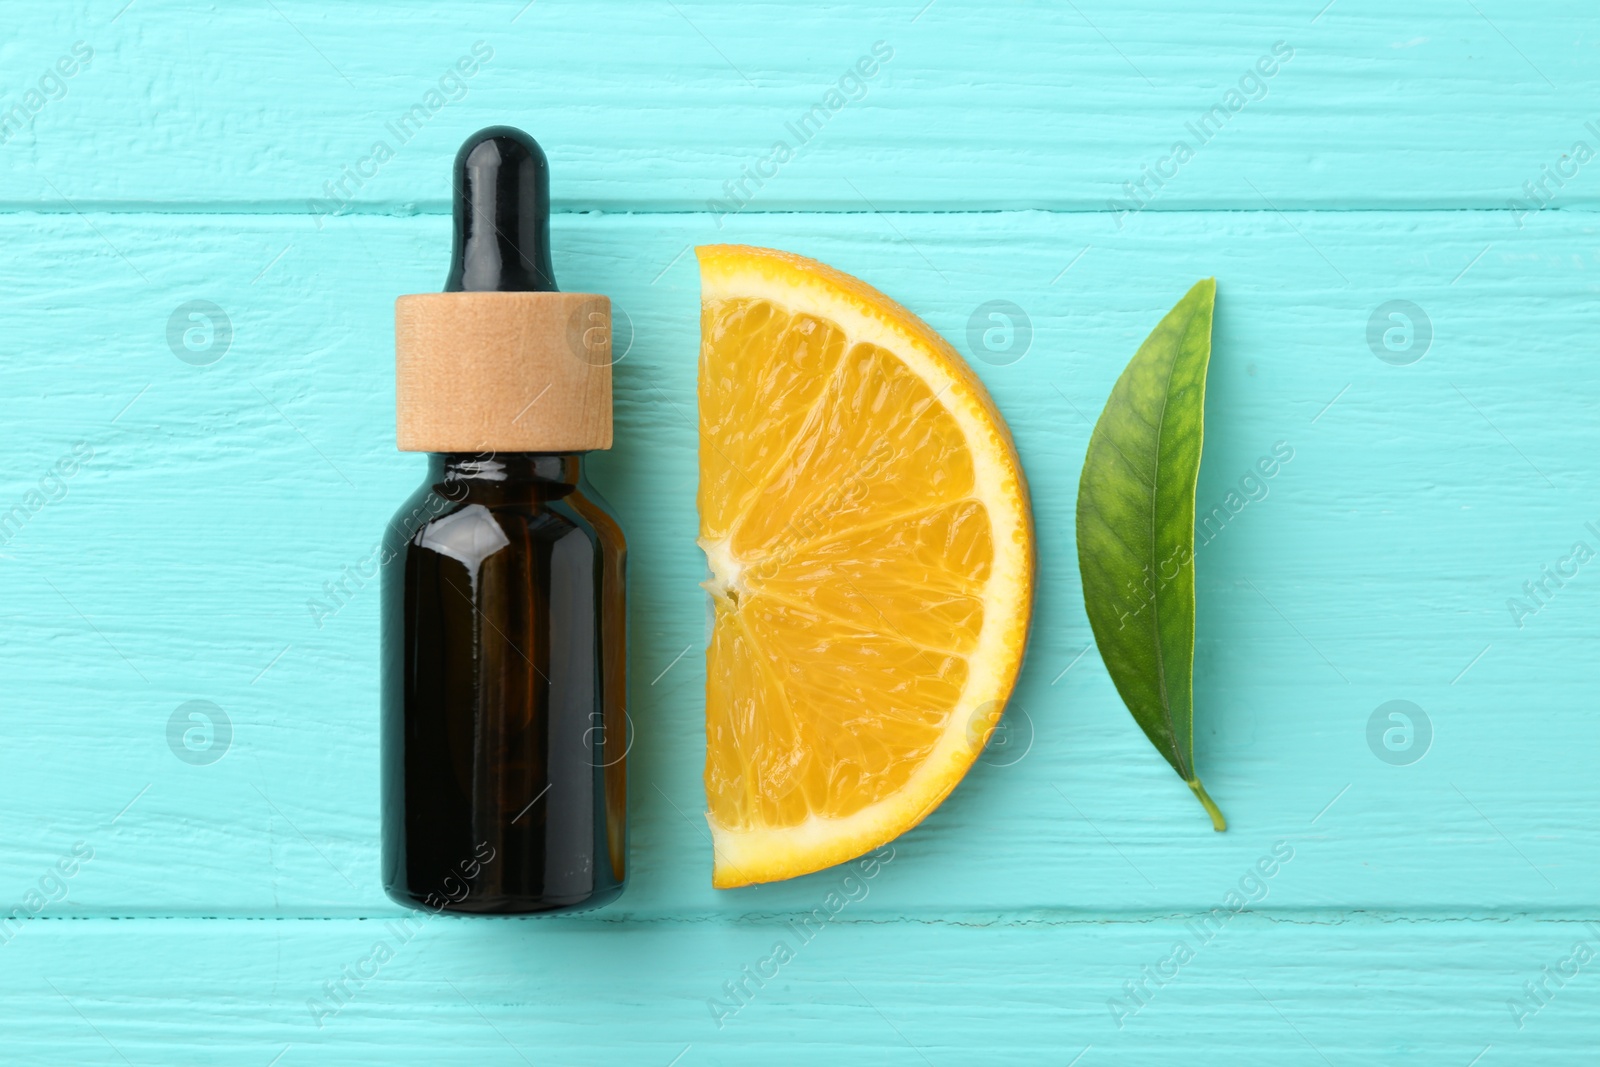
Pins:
<point x="1136" y="529"/>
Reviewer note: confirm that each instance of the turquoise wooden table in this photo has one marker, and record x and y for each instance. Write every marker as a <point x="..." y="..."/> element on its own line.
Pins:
<point x="1398" y="202"/>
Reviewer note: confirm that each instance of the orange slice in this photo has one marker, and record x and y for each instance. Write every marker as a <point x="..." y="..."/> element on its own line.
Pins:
<point x="871" y="557"/>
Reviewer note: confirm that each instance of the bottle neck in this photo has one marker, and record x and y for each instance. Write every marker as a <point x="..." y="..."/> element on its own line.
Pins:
<point x="486" y="470"/>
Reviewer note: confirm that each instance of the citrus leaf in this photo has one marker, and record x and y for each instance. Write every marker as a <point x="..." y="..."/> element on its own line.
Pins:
<point x="1136" y="529"/>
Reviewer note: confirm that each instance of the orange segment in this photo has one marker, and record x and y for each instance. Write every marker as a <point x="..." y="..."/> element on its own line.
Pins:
<point x="844" y="472"/>
<point x="866" y="523"/>
<point x="773" y="368"/>
<point x="925" y="570"/>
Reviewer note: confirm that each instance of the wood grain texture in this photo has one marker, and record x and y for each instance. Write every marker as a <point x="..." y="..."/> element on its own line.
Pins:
<point x="513" y="992"/>
<point x="657" y="106"/>
<point x="220" y="491"/>
<point x="182" y="561"/>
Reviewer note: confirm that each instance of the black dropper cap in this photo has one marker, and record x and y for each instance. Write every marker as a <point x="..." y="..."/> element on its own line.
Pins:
<point x="502" y="215"/>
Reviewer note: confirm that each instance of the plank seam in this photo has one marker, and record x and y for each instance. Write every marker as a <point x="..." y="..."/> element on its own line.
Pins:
<point x="274" y="211"/>
<point x="1287" y="917"/>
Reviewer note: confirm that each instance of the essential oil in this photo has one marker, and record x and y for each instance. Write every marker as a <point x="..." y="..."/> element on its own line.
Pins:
<point x="505" y="732"/>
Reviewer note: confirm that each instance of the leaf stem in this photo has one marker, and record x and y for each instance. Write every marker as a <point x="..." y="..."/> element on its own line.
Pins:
<point x="1218" y="823"/>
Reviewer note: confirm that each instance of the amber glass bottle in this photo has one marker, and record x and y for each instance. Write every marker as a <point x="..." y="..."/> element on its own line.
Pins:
<point x="505" y="732"/>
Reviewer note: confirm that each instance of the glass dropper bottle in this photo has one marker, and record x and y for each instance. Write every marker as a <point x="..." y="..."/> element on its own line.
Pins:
<point x="504" y="725"/>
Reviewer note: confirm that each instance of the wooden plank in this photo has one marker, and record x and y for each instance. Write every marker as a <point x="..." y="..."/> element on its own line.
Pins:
<point x="661" y="107"/>
<point x="1419" y="499"/>
<point x="1252" y="990"/>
